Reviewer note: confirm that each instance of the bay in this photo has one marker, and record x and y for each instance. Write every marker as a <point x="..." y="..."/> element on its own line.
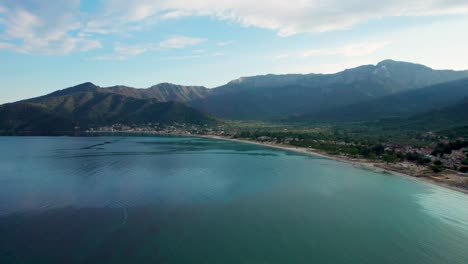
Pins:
<point x="194" y="200"/>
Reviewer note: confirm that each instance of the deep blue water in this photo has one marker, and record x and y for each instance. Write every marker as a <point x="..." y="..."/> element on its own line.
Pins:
<point x="190" y="200"/>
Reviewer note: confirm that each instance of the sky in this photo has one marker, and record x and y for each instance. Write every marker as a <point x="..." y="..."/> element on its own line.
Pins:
<point x="50" y="45"/>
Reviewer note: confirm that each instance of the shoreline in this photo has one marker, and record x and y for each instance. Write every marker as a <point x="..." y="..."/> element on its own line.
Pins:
<point x="362" y="164"/>
<point x="355" y="163"/>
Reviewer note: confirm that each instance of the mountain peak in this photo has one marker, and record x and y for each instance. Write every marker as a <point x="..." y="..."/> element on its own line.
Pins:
<point x="393" y="63"/>
<point x="86" y="84"/>
<point x="164" y="84"/>
<point x="387" y="62"/>
<point x="83" y="86"/>
<point x="173" y="85"/>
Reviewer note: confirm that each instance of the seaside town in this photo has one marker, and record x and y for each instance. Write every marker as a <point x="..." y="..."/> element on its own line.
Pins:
<point x="440" y="158"/>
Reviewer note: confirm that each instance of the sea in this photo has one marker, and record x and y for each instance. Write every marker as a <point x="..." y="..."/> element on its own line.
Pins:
<point x="196" y="200"/>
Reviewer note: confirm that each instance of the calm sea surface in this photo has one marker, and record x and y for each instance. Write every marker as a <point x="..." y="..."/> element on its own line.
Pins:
<point x="189" y="200"/>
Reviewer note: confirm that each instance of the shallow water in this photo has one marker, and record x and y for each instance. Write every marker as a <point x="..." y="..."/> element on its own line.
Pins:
<point x="190" y="200"/>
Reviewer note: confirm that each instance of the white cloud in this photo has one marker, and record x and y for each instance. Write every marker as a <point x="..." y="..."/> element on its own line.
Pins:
<point x="59" y="27"/>
<point x="195" y="56"/>
<point x="178" y="42"/>
<point x="133" y="50"/>
<point x="420" y="44"/>
<point x="5" y="45"/>
<point x="33" y="27"/>
<point x="355" y="49"/>
<point x="287" y="17"/>
<point x="326" y="67"/>
<point x="123" y="51"/>
<point x="185" y="57"/>
<point x="348" y="50"/>
<point x="108" y="57"/>
<point x="282" y="56"/>
<point x="89" y="44"/>
<point x="224" y="43"/>
<point x="175" y="14"/>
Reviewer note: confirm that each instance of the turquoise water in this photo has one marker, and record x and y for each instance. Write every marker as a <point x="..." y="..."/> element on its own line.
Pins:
<point x="189" y="200"/>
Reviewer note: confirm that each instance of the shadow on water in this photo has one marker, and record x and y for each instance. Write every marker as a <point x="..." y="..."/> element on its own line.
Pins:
<point x="202" y="144"/>
<point x="100" y="235"/>
<point x="162" y="146"/>
<point x="164" y="153"/>
<point x="101" y="144"/>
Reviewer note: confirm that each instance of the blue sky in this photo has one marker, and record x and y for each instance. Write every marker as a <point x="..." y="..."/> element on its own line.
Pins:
<point x="49" y="45"/>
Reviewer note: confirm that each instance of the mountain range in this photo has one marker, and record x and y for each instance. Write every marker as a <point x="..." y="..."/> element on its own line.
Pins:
<point x="86" y="105"/>
<point x="272" y="97"/>
<point x="163" y="92"/>
<point x="370" y="92"/>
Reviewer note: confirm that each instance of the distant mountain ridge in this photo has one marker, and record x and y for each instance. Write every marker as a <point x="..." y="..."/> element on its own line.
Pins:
<point x="85" y="106"/>
<point x="405" y="75"/>
<point x="163" y="92"/>
<point x="270" y="97"/>
<point x="369" y="92"/>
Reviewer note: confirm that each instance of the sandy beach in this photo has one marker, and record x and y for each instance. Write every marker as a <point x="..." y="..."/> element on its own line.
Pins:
<point x="375" y="166"/>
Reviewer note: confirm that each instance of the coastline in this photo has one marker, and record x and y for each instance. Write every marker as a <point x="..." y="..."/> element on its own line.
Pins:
<point x="431" y="179"/>
<point x="355" y="163"/>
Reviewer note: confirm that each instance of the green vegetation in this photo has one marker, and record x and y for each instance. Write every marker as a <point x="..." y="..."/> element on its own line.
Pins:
<point x="454" y="133"/>
<point x="429" y="107"/>
<point x="451" y="116"/>
<point x="338" y="141"/>
<point x="390" y="157"/>
<point x="437" y="166"/>
<point x="447" y="148"/>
